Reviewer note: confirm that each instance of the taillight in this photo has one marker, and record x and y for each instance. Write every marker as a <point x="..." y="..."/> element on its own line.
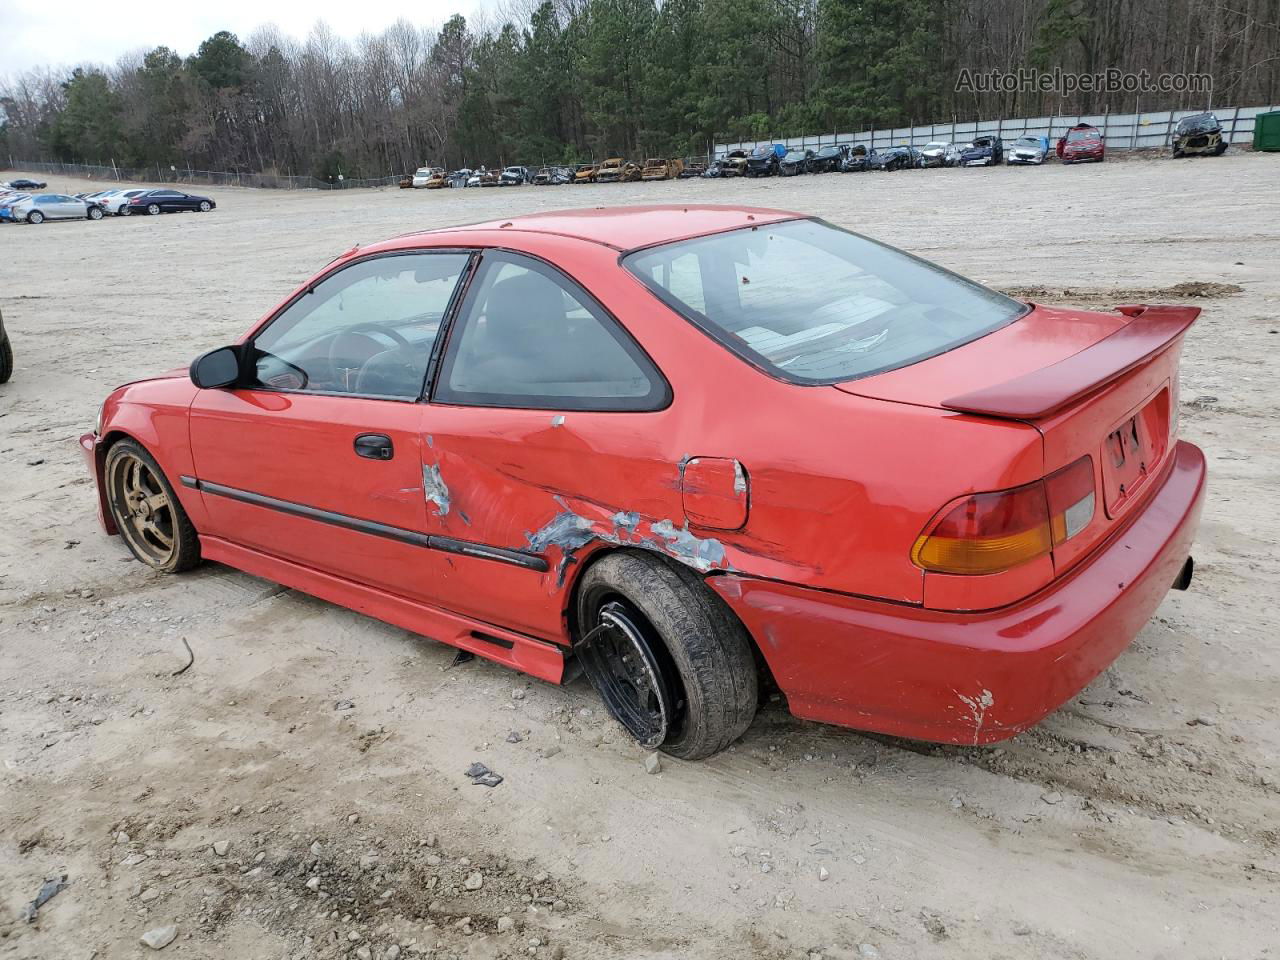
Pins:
<point x="990" y="532"/>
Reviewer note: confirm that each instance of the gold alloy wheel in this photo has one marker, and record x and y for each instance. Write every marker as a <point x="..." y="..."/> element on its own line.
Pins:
<point x="142" y="509"/>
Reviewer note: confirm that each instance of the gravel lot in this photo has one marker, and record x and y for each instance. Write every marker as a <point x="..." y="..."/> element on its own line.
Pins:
<point x="1140" y="820"/>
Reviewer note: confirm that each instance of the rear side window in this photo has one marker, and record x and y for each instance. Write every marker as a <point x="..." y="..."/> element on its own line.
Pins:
<point x="530" y="337"/>
<point x="810" y="303"/>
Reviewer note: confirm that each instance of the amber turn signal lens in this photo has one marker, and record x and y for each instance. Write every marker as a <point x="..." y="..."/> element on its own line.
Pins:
<point x="991" y="532"/>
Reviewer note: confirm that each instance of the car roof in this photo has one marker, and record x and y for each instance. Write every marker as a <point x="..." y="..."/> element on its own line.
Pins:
<point x="625" y="228"/>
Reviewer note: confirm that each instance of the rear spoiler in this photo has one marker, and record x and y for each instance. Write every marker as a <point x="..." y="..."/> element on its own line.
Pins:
<point x="1042" y="392"/>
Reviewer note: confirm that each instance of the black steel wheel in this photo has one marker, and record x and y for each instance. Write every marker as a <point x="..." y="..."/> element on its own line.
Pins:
<point x="669" y="659"/>
<point x="619" y="654"/>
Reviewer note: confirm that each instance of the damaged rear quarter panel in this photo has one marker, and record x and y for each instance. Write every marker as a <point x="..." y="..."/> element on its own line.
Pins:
<point x="839" y="485"/>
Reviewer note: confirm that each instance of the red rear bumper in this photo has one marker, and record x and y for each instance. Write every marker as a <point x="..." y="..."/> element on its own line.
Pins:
<point x="972" y="677"/>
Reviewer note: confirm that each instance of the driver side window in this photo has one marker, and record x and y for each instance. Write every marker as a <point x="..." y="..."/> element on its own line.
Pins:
<point x="366" y="330"/>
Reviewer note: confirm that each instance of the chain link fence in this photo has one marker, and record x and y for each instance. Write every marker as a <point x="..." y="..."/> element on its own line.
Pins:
<point x="215" y="178"/>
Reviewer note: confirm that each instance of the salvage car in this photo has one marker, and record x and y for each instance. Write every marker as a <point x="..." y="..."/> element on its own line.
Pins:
<point x="6" y="353"/>
<point x="939" y="153"/>
<point x="734" y="163"/>
<point x="611" y="170"/>
<point x="586" y="173"/>
<point x="693" y="168"/>
<point x="1199" y="135"/>
<point x="437" y="180"/>
<point x="763" y="161"/>
<point x="855" y="161"/>
<point x="40" y="207"/>
<point x="657" y="168"/>
<point x="497" y="436"/>
<point x="1082" y="144"/>
<point x="891" y="158"/>
<point x="795" y="162"/>
<point x="421" y="176"/>
<point x="515" y="177"/>
<point x="154" y="202"/>
<point x="829" y="159"/>
<point x="1028" y="149"/>
<point x="552" y="176"/>
<point x="983" y="152"/>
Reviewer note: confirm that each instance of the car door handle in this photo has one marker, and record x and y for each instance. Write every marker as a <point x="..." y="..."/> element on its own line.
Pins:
<point x="374" y="446"/>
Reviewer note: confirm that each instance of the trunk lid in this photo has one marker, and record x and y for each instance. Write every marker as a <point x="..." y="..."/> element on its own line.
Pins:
<point x="1102" y="385"/>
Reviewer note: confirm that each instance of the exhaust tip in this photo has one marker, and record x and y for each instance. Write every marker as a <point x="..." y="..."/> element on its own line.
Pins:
<point x="1183" y="580"/>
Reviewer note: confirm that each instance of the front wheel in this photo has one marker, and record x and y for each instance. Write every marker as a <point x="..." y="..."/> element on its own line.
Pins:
<point x="668" y="658"/>
<point x="146" y="510"/>
<point x="6" y="359"/>
<point x="205" y="207"/>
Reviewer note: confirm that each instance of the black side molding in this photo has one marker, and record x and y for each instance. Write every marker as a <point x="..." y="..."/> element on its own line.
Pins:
<point x="519" y="558"/>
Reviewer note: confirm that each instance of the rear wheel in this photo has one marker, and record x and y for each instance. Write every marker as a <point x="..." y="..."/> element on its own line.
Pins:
<point x="6" y="359"/>
<point x="671" y="662"/>
<point x="95" y="213"/>
<point x="153" y="209"/>
<point x="146" y="510"/>
<point x="124" y="209"/>
<point x="35" y="216"/>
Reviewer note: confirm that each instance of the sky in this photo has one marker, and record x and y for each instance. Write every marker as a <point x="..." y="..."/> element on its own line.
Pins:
<point x="38" y="33"/>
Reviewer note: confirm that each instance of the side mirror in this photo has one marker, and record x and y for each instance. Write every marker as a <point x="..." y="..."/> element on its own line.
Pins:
<point x="217" y="368"/>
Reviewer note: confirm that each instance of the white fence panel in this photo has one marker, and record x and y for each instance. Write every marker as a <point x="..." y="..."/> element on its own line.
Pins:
<point x="1121" y="131"/>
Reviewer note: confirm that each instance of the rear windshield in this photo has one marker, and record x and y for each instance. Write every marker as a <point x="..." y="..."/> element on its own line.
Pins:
<point x="811" y="303"/>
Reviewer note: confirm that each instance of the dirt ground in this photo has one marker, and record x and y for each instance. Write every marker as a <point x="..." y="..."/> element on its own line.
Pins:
<point x="299" y="791"/>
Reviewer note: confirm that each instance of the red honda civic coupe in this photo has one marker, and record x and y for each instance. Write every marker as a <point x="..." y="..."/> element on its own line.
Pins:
<point x="687" y="449"/>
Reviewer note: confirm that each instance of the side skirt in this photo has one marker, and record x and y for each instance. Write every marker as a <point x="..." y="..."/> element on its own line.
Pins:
<point x="526" y="654"/>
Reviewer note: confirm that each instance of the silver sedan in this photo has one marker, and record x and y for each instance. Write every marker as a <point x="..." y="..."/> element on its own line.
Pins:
<point x="53" y="206"/>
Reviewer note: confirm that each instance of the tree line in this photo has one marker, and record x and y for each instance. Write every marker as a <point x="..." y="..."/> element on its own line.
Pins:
<point x="563" y="80"/>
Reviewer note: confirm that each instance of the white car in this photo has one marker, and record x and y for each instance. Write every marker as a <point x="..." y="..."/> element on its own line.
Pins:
<point x="118" y="202"/>
<point x="420" y="177"/>
<point x="939" y="154"/>
<point x="1028" y="149"/>
<point x="52" y="206"/>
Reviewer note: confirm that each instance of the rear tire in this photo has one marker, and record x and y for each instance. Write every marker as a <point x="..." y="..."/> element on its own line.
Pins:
<point x="153" y="209"/>
<point x="6" y="359"/>
<point x="707" y="690"/>
<point x="95" y="213"/>
<point x="35" y="217"/>
<point x="151" y="520"/>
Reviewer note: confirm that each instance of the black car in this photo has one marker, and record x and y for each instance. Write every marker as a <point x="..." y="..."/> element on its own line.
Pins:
<point x="829" y="159"/>
<point x="795" y="163"/>
<point x="891" y="158"/>
<point x="1200" y="135"/>
<point x="27" y="185"/>
<point x="6" y="354"/>
<point x="855" y="161"/>
<point x="166" y="201"/>
<point x="763" y="161"/>
<point x="983" y="152"/>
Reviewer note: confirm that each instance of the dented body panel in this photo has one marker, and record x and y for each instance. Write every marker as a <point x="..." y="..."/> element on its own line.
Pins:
<point x="800" y="504"/>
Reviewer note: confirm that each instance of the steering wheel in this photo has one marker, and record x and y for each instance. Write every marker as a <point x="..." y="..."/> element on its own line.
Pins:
<point x="339" y="342"/>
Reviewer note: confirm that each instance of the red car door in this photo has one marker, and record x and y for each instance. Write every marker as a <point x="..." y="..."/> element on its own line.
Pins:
<point x="545" y="416"/>
<point x="318" y="457"/>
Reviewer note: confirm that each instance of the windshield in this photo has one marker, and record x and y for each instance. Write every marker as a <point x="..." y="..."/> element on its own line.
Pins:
<point x="794" y="155"/>
<point x="1029" y="142"/>
<point x="1076" y="136"/>
<point x="811" y="303"/>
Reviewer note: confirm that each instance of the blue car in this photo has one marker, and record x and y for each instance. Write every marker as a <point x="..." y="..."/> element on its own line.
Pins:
<point x="764" y="159"/>
<point x="1028" y="149"/>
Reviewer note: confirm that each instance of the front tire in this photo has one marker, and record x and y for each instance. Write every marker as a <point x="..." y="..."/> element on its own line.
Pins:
<point x="671" y="662"/>
<point x="6" y="359"/>
<point x="204" y="206"/>
<point x="146" y="510"/>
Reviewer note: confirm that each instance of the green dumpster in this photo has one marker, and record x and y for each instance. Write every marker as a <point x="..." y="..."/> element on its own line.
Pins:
<point x="1266" y="131"/>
